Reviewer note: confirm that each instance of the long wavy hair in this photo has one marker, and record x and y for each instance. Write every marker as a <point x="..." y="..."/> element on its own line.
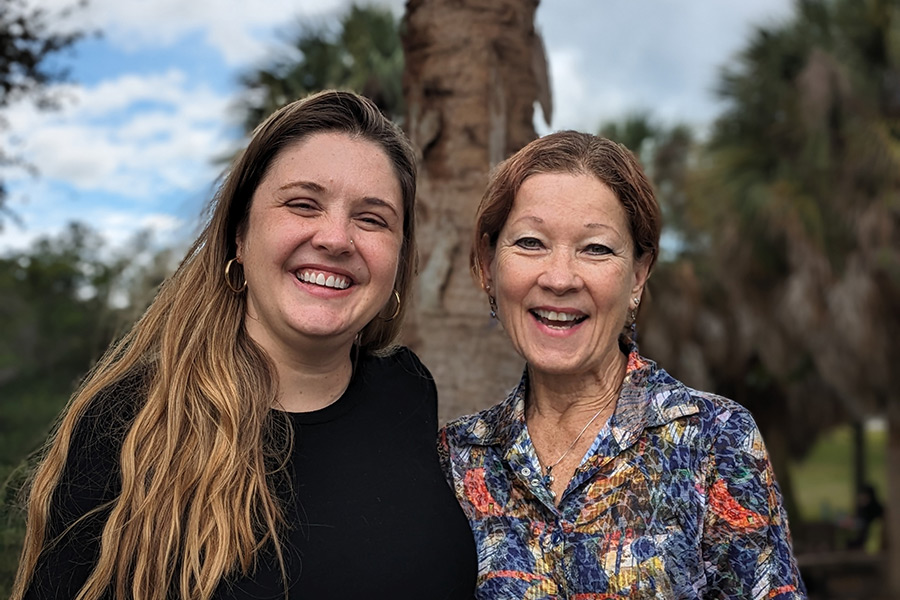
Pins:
<point x="197" y="463"/>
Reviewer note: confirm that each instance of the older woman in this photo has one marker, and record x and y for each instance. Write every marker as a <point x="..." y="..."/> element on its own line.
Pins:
<point x="254" y="435"/>
<point x="601" y="476"/>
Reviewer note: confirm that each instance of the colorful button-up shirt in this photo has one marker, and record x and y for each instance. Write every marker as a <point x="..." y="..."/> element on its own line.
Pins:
<point x="676" y="498"/>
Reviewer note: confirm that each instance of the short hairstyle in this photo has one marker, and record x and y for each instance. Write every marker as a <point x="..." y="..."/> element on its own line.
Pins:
<point x="325" y="112"/>
<point x="577" y="153"/>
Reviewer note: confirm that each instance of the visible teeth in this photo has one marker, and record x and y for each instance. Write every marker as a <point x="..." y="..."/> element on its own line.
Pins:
<point x="552" y="315"/>
<point x="332" y="281"/>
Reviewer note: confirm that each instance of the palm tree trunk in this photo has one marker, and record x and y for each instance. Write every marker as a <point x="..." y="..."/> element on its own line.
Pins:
<point x="474" y="70"/>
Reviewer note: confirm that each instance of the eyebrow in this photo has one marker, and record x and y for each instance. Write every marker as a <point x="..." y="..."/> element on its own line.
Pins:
<point x="374" y="200"/>
<point x="533" y="219"/>
<point x="306" y="185"/>
<point x="320" y="189"/>
<point x="540" y="221"/>
<point x="599" y="226"/>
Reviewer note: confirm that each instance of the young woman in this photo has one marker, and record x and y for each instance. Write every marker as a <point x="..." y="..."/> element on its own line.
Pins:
<point x="254" y="435"/>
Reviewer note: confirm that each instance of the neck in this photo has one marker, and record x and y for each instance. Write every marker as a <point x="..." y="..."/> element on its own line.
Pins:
<point x="308" y="385"/>
<point x="564" y="398"/>
<point x="311" y="373"/>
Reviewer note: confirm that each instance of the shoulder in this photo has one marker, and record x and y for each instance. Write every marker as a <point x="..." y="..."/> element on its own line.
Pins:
<point x="725" y="417"/>
<point x="727" y="432"/>
<point x="461" y="428"/>
<point x="496" y="425"/>
<point x="396" y="373"/>
<point x="708" y="417"/>
<point x="90" y="473"/>
<point x="398" y="361"/>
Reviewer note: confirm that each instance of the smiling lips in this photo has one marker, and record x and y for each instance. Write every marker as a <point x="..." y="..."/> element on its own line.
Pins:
<point x="329" y="280"/>
<point x="557" y="320"/>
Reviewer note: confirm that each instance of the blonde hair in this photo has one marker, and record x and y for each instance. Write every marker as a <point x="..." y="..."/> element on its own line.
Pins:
<point x="197" y="501"/>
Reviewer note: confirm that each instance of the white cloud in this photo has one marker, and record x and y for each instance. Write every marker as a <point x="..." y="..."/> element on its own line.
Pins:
<point x="140" y="138"/>
<point x="119" y="228"/>
<point x="611" y="58"/>
<point x="132" y="136"/>
<point x="241" y="31"/>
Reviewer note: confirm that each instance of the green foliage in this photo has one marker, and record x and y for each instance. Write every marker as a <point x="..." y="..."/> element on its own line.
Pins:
<point x="26" y="44"/>
<point x="364" y="55"/>
<point x="666" y="153"/>
<point x="809" y="139"/>
<point x="64" y="300"/>
<point x="57" y="305"/>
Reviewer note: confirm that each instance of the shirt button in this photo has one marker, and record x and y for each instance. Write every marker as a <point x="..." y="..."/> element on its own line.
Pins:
<point x="526" y="471"/>
<point x="535" y="482"/>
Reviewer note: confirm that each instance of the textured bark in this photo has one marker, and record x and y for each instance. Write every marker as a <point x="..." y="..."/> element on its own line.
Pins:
<point x="474" y="69"/>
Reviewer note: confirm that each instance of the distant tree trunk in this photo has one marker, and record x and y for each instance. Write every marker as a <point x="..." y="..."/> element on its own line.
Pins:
<point x="474" y="69"/>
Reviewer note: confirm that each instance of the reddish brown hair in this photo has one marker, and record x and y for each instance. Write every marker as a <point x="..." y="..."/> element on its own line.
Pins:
<point x="577" y="153"/>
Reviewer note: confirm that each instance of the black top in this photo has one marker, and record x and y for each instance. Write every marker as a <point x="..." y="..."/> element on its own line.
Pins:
<point x="371" y="515"/>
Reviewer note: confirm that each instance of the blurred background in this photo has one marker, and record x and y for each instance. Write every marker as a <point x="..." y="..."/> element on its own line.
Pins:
<point x="771" y="130"/>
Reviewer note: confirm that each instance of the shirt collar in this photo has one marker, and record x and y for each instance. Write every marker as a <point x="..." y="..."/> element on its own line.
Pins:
<point x="650" y="397"/>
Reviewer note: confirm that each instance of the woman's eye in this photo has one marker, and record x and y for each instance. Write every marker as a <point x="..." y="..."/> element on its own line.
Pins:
<point x="597" y="249"/>
<point x="373" y="220"/>
<point x="302" y="204"/>
<point x="529" y="243"/>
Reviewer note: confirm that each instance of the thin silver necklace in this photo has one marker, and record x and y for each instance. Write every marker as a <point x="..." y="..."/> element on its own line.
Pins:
<point x="548" y="470"/>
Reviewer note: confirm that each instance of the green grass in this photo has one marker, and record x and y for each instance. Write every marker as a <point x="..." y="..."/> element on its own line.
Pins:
<point x="823" y="482"/>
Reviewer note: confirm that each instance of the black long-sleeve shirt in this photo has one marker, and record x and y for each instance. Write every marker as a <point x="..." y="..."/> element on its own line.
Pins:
<point x="371" y="514"/>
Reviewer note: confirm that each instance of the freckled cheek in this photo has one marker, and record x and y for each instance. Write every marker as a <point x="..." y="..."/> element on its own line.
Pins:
<point x="384" y="260"/>
<point x="513" y="285"/>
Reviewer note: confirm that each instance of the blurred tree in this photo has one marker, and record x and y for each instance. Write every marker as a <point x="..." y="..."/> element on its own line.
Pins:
<point x="798" y="191"/>
<point x="56" y="313"/>
<point x="363" y="54"/>
<point x="666" y="152"/>
<point x="27" y="43"/>
<point x="64" y="300"/>
<point x="474" y="71"/>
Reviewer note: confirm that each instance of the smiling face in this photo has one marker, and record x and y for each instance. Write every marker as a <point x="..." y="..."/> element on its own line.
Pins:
<point x="320" y="248"/>
<point x="564" y="274"/>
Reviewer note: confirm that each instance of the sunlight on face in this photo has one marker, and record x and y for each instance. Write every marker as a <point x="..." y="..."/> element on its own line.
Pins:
<point x="563" y="272"/>
<point x="321" y="246"/>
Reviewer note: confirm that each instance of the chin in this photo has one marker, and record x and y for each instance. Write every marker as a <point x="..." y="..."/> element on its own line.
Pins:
<point x="555" y="367"/>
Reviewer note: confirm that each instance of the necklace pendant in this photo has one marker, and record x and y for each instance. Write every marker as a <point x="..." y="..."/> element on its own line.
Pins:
<point x="548" y="478"/>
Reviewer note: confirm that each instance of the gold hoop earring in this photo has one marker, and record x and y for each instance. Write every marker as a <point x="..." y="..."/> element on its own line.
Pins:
<point x="236" y="290"/>
<point x="397" y="310"/>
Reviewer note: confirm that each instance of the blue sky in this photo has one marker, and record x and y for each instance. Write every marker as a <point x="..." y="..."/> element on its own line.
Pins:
<point x="150" y="104"/>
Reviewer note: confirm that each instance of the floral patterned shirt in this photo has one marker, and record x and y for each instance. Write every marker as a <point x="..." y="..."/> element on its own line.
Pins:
<point x="676" y="498"/>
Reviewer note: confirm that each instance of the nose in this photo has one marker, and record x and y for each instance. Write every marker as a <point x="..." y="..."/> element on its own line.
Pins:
<point x="334" y="236"/>
<point x="560" y="273"/>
